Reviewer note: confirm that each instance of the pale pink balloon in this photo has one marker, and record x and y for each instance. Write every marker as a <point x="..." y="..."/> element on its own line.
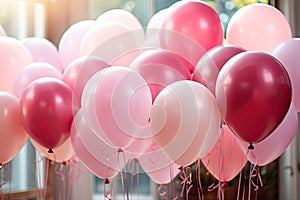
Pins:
<point x="13" y="136"/>
<point x="14" y="58"/>
<point x="116" y="102"/>
<point x="2" y="31"/>
<point x="69" y="44"/>
<point x="185" y="121"/>
<point x="43" y="50"/>
<point x="154" y="26"/>
<point x="97" y="156"/>
<point x="60" y="154"/>
<point x="258" y="27"/>
<point x="80" y="70"/>
<point x="127" y="58"/>
<point x="276" y="143"/>
<point x="32" y="72"/>
<point x="226" y="159"/>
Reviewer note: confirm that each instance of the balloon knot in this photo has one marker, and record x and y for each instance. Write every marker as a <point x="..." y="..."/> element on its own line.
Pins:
<point x="136" y="160"/>
<point x="120" y="150"/>
<point x="106" y="181"/>
<point x="180" y="168"/>
<point x="50" y="151"/>
<point x="1" y="165"/>
<point x="251" y="147"/>
<point x="64" y="162"/>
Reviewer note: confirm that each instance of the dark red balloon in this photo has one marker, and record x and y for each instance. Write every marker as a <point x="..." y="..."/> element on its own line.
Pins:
<point x="253" y="91"/>
<point x="46" y="111"/>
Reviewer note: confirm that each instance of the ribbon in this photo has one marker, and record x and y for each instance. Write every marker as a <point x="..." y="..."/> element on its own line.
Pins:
<point x="108" y="192"/>
<point x="198" y="172"/>
<point x="162" y="192"/>
<point x="186" y="177"/>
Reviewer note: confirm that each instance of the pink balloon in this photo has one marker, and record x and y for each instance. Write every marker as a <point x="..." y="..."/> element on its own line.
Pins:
<point x="77" y="74"/>
<point x="2" y="31"/>
<point x="69" y="44"/>
<point x="185" y="121"/>
<point x="32" y="72"/>
<point x="276" y="143"/>
<point x="61" y="154"/>
<point x="123" y="105"/>
<point x="287" y="54"/>
<point x="226" y="159"/>
<point x="14" y="58"/>
<point x="103" y="160"/>
<point x="43" y="50"/>
<point x="154" y="26"/>
<point x="258" y="27"/>
<point x="13" y="136"/>
<point x="127" y="58"/>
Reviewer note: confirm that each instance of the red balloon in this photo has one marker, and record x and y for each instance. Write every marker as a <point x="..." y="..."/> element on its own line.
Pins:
<point x="253" y="91"/>
<point x="46" y="111"/>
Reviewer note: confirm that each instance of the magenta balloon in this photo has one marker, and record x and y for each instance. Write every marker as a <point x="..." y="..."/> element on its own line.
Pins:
<point x="254" y="93"/>
<point x="211" y="63"/>
<point x="226" y="159"/>
<point x="43" y="50"/>
<point x="160" y="68"/>
<point x="101" y="168"/>
<point x="14" y="58"/>
<point x="275" y="144"/>
<point x="69" y="44"/>
<point x="287" y="54"/>
<point x="2" y="31"/>
<point x="258" y="27"/>
<point x="80" y="70"/>
<point x="32" y="72"/>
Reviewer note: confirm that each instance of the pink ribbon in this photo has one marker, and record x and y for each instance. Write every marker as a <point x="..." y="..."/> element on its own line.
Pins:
<point x="186" y="177"/>
<point x="108" y="192"/>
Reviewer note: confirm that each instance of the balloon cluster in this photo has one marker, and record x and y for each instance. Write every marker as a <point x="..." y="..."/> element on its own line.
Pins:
<point x="167" y="96"/>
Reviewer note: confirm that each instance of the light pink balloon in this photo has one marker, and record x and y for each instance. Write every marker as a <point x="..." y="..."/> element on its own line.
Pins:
<point x="185" y="121"/>
<point x="116" y="102"/>
<point x="69" y="44"/>
<point x="226" y="159"/>
<point x="32" y="72"/>
<point x="14" y="57"/>
<point x="13" y="136"/>
<point x="2" y="31"/>
<point x="97" y="156"/>
<point x="43" y="50"/>
<point x="80" y="70"/>
<point x="258" y="27"/>
<point x="276" y="143"/>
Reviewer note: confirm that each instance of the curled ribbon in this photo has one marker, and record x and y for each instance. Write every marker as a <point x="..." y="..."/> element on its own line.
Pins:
<point x="108" y="193"/>
<point x="186" y="177"/>
<point x="162" y="191"/>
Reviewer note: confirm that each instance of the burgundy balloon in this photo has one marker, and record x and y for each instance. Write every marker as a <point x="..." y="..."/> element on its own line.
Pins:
<point x="253" y="91"/>
<point x="46" y="111"/>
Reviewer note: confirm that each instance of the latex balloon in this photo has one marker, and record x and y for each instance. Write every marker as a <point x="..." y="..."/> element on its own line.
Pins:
<point x="47" y="111"/>
<point x="286" y="53"/>
<point x="253" y="91"/>
<point x="13" y="136"/>
<point x="258" y="27"/>
<point x="185" y="121"/>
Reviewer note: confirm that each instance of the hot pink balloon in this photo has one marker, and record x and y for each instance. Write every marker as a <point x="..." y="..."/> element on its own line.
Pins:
<point x="287" y="54"/>
<point x="32" y="72"/>
<point x="274" y="145"/>
<point x="116" y="102"/>
<point x="13" y="136"/>
<point x="14" y="57"/>
<point x="258" y="27"/>
<point x="80" y="70"/>
<point x="2" y="31"/>
<point x="69" y="44"/>
<point x="43" y="50"/>
<point x="226" y="159"/>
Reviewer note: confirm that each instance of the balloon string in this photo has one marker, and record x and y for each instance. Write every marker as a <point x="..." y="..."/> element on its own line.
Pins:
<point x="198" y="172"/>
<point x="239" y="186"/>
<point x="46" y="177"/>
<point x="38" y="161"/>
<point x="162" y="191"/>
<point x="121" y="174"/>
<point x="108" y="193"/>
<point x="171" y="185"/>
<point x="186" y="177"/>
<point x="9" y="180"/>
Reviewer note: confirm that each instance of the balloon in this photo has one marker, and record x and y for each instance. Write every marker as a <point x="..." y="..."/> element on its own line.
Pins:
<point x="2" y="31"/>
<point x="258" y="27"/>
<point x="60" y="154"/>
<point x="274" y="145"/>
<point x="185" y="121"/>
<point x="124" y="97"/>
<point x="197" y="20"/>
<point x="211" y="63"/>
<point x="160" y="68"/>
<point x="253" y="91"/>
<point x="43" y="50"/>
<point x="47" y="111"/>
<point x="287" y="54"/>
<point x="69" y="44"/>
<point x="101" y="159"/>
<point x="13" y="136"/>
<point x="14" y="57"/>
<point x="80" y="71"/>
<point x="32" y="72"/>
<point x="226" y="159"/>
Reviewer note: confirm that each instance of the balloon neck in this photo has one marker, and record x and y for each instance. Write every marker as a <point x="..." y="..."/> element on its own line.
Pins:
<point x="1" y="165"/>
<point x="106" y="181"/>
<point x="180" y="168"/>
<point x="50" y="151"/>
<point x="64" y="163"/>
<point x="120" y="150"/>
<point x="251" y="147"/>
<point x="136" y="160"/>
